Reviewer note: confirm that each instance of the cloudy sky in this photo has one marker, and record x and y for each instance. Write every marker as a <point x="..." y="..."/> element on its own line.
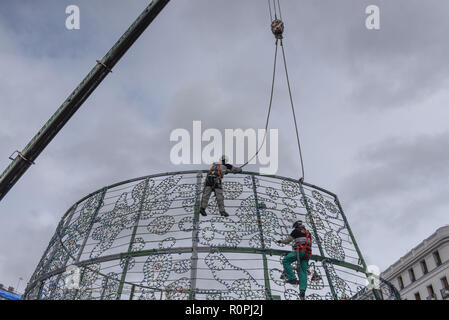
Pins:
<point x="371" y="105"/>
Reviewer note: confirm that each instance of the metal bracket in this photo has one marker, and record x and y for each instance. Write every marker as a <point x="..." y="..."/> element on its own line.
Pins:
<point x="105" y="66"/>
<point x="20" y="154"/>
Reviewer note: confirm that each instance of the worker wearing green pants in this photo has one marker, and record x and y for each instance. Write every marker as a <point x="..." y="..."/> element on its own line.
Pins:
<point x="304" y="264"/>
<point x="302" y="250"/>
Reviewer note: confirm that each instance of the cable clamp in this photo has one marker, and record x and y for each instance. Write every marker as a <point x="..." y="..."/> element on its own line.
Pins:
<point x="104" y="65"/>
<point x="20" y="154"/>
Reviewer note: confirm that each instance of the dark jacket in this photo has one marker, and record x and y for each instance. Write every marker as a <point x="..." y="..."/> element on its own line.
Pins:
<point x="298" y="235"/>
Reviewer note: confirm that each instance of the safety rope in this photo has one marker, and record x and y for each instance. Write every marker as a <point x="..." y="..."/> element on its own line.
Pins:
<point x="277" y="27"/>
<point x="269" y="107"/>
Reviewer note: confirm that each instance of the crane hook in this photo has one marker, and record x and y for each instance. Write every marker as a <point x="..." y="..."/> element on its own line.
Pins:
<point x="277" y="27"/>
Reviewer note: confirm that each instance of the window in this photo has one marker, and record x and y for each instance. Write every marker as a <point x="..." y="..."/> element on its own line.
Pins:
<point x="401" y="283"/>
<point x="417" y="296"/>
<point x="444" y="283"/>
<point x="436" y="256"/>
<point x="424" y="267"/>
<point x="411" y="273"/>
<point x="430" y="291"/>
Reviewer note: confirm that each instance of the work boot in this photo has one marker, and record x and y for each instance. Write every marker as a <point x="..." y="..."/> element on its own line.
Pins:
<point x="203" y="212"/>
<point x="224" y="214"/>
<point x="293" y="281"/>
<point x="302" y="295"/>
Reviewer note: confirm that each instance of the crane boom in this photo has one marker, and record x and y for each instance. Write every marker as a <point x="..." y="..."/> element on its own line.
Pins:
<point x="26" y="158"/>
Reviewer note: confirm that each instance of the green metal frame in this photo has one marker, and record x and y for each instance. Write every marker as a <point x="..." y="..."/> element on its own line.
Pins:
<point x="317" y="239"/>
<point x="262" y="241"/>
<point x="131" y="241"/>
<point x="195" y="240"/>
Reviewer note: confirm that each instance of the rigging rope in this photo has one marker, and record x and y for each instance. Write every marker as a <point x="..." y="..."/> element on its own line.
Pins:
<point x="277" y="27"/>
<point x="269" y="8"/>
<point x="269" y="107"/>
<point x="280" y="14"/>
<point x="293" y="111"/>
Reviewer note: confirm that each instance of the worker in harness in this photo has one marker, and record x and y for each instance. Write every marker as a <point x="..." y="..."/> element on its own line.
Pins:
<point x="213" y="183"/>
<point x="302" y="250"/>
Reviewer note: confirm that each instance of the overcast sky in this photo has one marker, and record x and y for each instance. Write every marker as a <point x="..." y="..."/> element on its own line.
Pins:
<point x="371" y="105"/>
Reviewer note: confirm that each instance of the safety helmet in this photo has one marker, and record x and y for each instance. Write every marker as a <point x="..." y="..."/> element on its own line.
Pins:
<point x="297" y="224"/>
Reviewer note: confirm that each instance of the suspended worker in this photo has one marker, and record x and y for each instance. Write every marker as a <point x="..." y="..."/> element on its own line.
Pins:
<point x="302" y="250"/>
<point x="214" y="183"/>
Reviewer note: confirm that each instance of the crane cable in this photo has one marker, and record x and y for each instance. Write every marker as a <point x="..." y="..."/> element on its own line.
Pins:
<point x="275" y="10"/>
<point x="294" y="115"/>
<point x="272" y="88"/>
<point x="277" y="27"/>
<point x="269" y="107"/>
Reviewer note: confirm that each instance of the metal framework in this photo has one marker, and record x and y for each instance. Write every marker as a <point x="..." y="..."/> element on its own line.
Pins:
<point x="144" y="239"/>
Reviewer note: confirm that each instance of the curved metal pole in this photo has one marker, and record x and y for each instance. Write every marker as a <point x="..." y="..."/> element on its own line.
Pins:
<point x="317" y="237"/>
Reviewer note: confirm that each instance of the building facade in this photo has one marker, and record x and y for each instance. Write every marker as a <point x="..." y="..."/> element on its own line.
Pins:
<point x="423" y="273"/>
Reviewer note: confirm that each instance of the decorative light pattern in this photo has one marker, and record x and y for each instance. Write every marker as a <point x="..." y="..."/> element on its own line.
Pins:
<point x="145" y="239"/>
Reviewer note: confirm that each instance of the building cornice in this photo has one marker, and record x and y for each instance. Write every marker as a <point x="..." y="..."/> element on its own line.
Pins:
<point x="439" y="237"/>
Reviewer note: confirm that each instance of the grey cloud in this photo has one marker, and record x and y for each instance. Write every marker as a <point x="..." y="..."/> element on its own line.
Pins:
<point x="399" y="191"/>
<point x="396" y="165"/>
<point x="402" y="63"/>
<point x="405" y="61"/>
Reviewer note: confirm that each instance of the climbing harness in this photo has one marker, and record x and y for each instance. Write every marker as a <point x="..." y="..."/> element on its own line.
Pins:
<point x="277" y="27"/>
<point x="216" y="168"/>
<point x="214" y="176"/>
<point x="304" y="247"/>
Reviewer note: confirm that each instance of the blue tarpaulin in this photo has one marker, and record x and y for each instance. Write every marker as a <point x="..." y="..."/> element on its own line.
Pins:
<point x="9" y="296"/>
